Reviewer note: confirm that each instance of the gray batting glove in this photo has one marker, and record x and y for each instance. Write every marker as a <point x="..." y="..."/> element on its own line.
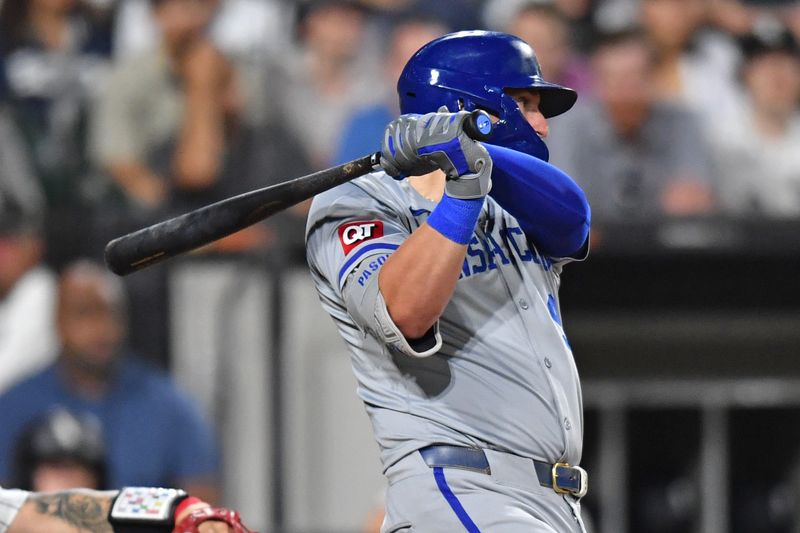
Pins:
<point x="414" y="145"/>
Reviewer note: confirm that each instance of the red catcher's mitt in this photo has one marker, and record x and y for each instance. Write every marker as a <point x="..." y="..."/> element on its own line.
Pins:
<point x="191" y="522"/>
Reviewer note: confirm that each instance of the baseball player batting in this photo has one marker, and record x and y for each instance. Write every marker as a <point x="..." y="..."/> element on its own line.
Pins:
<point x="442" y="276"/>
<point x="130" y="510"/>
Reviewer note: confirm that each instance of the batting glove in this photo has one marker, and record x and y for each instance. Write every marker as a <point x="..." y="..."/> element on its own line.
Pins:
<point x="414" y="145"/>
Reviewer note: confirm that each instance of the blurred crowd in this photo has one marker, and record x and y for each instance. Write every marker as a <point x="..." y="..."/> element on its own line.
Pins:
<point x="115" y="114"/>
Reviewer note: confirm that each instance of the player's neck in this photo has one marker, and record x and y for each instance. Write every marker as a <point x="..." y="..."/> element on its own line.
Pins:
<point x="431" y="185"/>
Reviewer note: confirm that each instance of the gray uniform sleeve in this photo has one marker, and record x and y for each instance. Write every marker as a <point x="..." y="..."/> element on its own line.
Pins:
<point x="349" y="238"/>
<point x="10" y="502"/>
<point x="367" y="307"/>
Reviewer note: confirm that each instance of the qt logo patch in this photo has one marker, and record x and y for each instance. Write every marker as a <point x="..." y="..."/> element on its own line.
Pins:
<point x="354" y="233"/>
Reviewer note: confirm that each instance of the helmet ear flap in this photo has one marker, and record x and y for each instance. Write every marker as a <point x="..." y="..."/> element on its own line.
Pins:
<point x="513" y="131"/>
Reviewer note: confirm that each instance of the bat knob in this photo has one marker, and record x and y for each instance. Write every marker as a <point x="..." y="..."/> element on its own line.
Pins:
<point x="478" y="125"/>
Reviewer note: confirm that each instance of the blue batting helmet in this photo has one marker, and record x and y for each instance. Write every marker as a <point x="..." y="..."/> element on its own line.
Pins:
<point x="471" y="70"/>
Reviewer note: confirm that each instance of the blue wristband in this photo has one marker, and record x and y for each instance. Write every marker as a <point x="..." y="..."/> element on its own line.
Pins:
<point x="455" y="218"/>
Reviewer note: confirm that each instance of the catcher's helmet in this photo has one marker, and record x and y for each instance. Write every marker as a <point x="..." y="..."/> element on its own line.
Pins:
<point x="60" y="436"/>
<point x="470" y="70"/>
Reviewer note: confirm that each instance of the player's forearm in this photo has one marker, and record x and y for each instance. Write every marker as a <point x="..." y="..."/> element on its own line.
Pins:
<point x="76" y="511"/>
<point x="418" y="280"/>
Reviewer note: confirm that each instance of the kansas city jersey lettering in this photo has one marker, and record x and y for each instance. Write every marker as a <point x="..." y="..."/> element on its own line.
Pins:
<point x="485" y="252"/>
<point x="354" y="233"/>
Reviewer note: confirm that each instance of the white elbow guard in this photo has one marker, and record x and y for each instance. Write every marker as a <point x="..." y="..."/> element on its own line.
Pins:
<point x="390" y="334"/>
<point x="365" y="303"/>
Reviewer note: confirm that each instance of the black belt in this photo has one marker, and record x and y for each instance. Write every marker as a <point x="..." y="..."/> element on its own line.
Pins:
<point x="561" y="477"/>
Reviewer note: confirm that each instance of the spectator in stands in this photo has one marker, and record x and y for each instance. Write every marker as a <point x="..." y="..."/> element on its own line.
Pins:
<point x="580" y="15"/>
<point x="790" y="15"/>
<point x="58" y="451"/>
<point x="455" y="14"/>
<point x="18" y="183"/>
<point x="170" y="132"/>
<point x="53" y="57"/>
<point x="27" y="297"/>
<point x="546" y="29"/>
<point x="636" y="157"/>
<point x="733" y="16"/>
<point x="575" y="16"/>
<point x="364" y="127"/>
<point x="318" y="86"/>
<point x="162" y="129"/>
<point x="693" y="68"/>
<point x="140" y="409"/>
<point x="241" y="28"/>
<point x="758" y="153"/>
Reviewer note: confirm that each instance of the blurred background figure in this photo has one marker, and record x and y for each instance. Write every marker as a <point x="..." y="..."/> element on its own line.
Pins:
<point x="172" y="156"/>
<point x="154" y="434"/>
<point x="637" y="157"/>
<point x="53" y="57"/>
<point x="544" y="26"/>
<point x="547" y="30"/>
<point x="733" y="17"/>
<point x="580" y="14"/>
<point x="455" y="14"/>
<point x="790" y="15"/>
<point x="18" y="184"/>
<point x="330" y="74"/>
<point x="363" y="131"/>
<point x="27" y="296"/>
<point x="758" y="151"/>
<point x="60" y="450"/>
<point x="245" y="29"/>
<point x="170" y="131"/>
<point x="693" y="67"/>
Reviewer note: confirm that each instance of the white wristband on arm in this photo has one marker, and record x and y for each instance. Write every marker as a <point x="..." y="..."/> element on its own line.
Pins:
<point x="145" y="509"/>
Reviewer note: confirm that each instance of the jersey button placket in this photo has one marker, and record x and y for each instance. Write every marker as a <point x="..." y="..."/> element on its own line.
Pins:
<point x="523" y="303"/>
<point x="547" y="362"/>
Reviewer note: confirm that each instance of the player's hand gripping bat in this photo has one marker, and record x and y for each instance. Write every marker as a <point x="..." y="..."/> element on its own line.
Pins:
<point x="194" y="229"/>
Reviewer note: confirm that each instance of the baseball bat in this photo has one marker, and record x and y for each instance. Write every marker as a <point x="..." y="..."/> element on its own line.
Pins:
<point x="156" y="243"/>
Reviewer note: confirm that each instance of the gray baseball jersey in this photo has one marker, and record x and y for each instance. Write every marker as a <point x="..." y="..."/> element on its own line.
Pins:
<point x="496" y="372"/>
<point x="10" y="502"/>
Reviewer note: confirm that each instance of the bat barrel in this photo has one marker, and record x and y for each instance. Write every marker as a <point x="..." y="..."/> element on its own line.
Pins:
<point x="192" y="230"/>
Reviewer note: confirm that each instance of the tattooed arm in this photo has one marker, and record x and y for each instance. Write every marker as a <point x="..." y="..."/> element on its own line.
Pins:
<point x="81" y="511"/>
<point x="70" y="512"/>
